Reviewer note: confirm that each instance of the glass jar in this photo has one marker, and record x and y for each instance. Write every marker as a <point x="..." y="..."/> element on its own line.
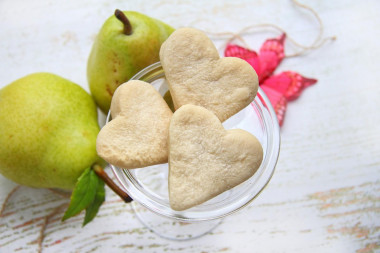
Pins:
<point x="149" y="186"/>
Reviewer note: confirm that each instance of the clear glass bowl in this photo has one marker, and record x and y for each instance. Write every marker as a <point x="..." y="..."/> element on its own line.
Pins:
<point x="149" y="186"/>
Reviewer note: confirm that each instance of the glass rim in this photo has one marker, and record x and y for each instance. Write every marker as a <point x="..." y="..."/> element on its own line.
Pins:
<point x="130" y="185"/>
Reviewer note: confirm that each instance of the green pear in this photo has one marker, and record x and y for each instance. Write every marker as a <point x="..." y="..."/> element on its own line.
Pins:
<point x="127" y="43"/>
<point x="48" y="130"/>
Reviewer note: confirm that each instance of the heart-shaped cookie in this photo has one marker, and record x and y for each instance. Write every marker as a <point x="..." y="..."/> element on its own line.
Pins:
<point x="137" y="135"/>
<point x="197" y="75"/>
<point x="205" y="159"/>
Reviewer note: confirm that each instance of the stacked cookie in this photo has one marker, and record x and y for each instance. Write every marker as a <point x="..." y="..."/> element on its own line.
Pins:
<point x="204" y="159"/>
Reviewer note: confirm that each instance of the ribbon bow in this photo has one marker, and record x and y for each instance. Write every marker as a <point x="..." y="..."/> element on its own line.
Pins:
<point x="279" y="88"/>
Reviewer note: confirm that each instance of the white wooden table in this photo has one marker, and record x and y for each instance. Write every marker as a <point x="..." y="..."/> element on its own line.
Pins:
<point x="325" y="193"/>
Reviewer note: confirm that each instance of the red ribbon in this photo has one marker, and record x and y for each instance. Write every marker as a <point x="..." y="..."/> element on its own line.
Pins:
<point x="279" y="88"/>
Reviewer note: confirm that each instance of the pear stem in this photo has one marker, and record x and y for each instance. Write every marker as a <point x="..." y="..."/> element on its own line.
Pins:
<point x="110" y="183"/>
<point x="127" y="25"/>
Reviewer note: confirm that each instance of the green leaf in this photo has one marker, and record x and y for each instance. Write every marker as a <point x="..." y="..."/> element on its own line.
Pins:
<point x="83" y="194"/>
<point x="93" y="208"/>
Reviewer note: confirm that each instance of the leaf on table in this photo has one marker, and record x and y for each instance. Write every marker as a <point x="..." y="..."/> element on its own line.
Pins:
<point x="83" y="194"/>
<point x="93" y="208"/>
